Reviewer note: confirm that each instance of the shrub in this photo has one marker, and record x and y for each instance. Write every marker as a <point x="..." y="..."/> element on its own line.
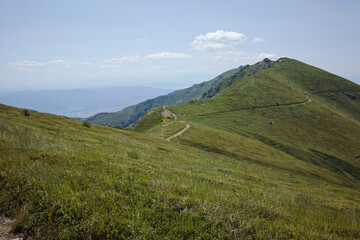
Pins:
<point x="133" y="154"/>
<point x="115" y="126"/>
<point x="86" y="124"/>
<point x="25" y="112"/>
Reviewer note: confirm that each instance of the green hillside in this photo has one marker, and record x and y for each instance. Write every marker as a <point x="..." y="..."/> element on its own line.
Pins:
<point x="267" y="153"/>
<point x="302" y="111"/>
<point x="130" y="114"/>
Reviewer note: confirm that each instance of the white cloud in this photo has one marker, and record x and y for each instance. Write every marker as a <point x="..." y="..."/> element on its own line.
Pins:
<point x="240" y="57"/>
<point x="266" y="55"/>
<point x="258" y="40"/>
<point x="25" y="65"/>
<point x="58" y="62"/>
<point x="125" y="59"/>
<point x="218" y="40"/>
<point x="85" y="63"/>
<point x="167" y="55"/>
<point x="107" y="65"/>
<point x="142" y="39"/>
<point x="114" y="63"/>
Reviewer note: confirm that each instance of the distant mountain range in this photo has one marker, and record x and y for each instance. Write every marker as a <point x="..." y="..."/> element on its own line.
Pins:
<point x="80" y="103"/>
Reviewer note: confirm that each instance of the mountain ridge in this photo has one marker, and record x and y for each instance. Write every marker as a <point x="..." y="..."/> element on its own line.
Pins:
<point x="130" y="114"/>
<point x="288" y="100"/>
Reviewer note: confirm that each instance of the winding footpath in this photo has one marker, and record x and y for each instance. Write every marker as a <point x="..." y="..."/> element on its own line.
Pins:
<point x="260" y="107"/>
<point x="289" y="105"/>
<point x="284" y="105"/>
<point x="178" y="133"/>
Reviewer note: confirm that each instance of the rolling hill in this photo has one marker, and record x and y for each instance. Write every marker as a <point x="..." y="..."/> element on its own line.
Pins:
<point x="302" y="111"/>
<point x="269" y="152"/>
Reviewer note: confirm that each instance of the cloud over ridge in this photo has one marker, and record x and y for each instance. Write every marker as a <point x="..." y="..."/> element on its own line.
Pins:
<point x="218" y="40"/>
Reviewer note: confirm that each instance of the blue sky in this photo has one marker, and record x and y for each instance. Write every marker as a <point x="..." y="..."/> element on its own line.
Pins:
<point x="74" y="44"/>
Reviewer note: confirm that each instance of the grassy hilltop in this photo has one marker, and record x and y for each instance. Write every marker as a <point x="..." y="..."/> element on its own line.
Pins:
<point x="271" y="152"/>
<point x="287" y="106"/>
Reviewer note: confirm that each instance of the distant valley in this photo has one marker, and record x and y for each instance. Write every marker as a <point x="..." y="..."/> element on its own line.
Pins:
<point x="80" y="103"/>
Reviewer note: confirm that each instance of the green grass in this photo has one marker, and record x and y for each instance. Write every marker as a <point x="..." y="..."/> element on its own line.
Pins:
<point x="153" y="123"/>
<point x="60" y="179"/>
<point x="260" y="107"/>
<point x="252" y="118"/>
<point x="172" y="128"/>
<point x="306" y="127"/>
<point x="269" y="172"/>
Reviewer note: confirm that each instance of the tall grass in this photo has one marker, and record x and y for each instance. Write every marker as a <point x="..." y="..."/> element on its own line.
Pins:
<point x="62" y="180"/>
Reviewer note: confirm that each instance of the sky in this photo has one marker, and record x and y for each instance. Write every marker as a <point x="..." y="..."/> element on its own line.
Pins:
<point x="66" y="44"/>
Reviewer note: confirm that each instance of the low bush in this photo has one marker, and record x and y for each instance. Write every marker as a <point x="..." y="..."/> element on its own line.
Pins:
<point x="86" y="124"/>
<point x="25" y="112"/>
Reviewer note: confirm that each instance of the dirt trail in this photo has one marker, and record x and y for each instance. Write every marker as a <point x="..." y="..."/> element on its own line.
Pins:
<point x="178" y="133"/>
<point x="289" y="105"/>
<point x="5" y="227"/>
<point x="297" y="104"/>
<point x="167" y="113"/>
<point x="257" y="108"/>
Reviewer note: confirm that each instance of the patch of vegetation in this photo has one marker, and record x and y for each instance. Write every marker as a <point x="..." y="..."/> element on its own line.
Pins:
<point x="133" y="154"/>
<point x="172" y="128"/>
<point x="150" y="120"/>
<point x="114" y="126"/>
<point x="86" y="124"/>
<point x="315" y="157"/>
<point x="25" y="112"/>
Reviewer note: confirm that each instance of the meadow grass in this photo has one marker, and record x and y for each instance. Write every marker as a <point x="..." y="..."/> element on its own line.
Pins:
<point x="267" y="120"/>
<point x="62" y="180"/>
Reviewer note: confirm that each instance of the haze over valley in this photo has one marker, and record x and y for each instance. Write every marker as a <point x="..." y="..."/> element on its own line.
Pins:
<point x="80" y="103"/>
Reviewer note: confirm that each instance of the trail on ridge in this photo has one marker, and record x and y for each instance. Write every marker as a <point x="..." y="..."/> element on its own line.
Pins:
<point x="178" y="133"/>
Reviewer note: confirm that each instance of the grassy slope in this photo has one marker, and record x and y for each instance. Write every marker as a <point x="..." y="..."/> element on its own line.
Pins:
<point x="154" y="123"/>
<point x="336" y="92"/>
<point x="259" y="108"/>
<point x="61" y="179"/>
<point x="130" y="114"/>
<point x="254" y="119"/>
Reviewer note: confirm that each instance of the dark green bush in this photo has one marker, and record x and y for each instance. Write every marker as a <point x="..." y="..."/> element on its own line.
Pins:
<point x="86" y="124"/>
<point x="25" y="112"/>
